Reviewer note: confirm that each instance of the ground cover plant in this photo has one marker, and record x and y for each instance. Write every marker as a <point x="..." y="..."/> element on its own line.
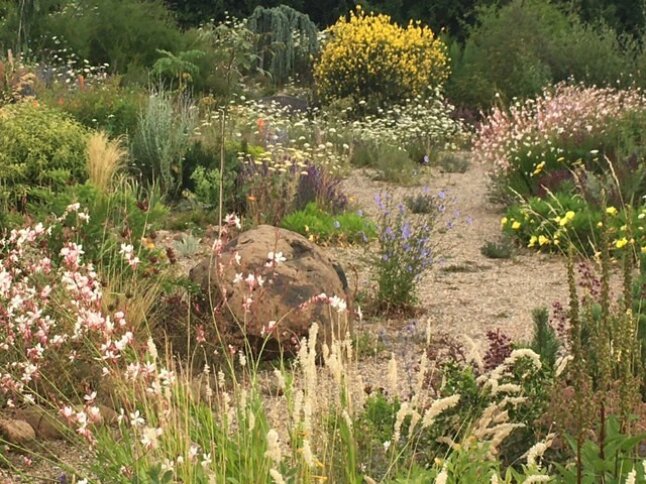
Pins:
<point x="269" y="249"/>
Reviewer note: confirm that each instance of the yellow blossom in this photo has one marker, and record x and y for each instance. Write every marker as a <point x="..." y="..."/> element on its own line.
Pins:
<point x="539" y="168"/>
<point x="611" y="211"/>
<point x="515" y="225"/>
<point x="542" y="240"/>
<point x="563" y="221"/>
<point x="368" y="54"/>
<point x="503" y="221"/>
<point x="621" y="243"/>
<point x="532" y="241"/>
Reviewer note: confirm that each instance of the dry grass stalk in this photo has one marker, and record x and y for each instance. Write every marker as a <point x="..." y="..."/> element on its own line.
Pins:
<point x="105" y="158"/>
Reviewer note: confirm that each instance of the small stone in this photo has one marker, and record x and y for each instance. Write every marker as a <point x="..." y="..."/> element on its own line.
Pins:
<point x="17" y="432"/>
<point x="47" y="425"/>
<point x="108" y="415"/>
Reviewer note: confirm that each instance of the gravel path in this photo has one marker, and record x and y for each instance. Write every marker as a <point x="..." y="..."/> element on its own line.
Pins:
<point x="467" y="294"/>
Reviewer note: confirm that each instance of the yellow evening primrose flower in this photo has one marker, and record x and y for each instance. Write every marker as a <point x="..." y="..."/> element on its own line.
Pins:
<point x="539" y="168"/>
<point x="532" y="241"/>
<point x="569" y="216"/>
<point x="542" y="240"/>
<point x="643" y="250"/>
<point x="611" y="211"/>
<point x="503" y="221"/>
<point x="515" y="225"/>
<point x="621" y="243"/>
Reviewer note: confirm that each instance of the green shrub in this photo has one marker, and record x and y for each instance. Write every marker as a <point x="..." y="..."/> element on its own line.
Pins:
<point x="425" y="202"/>
<point x="287" y="41"/>
<point x="550" y="224"/>
<point x="547" y="46"/>
<point x="545" y="342"/>
<point x="162" y="140"/>
<point x="229" y="56"/>
<point x="41" y="152"/>
<point x="502" y="249"/>
<point x="207" y="186"/>
<point x="391" y="163"/>
<point x="107" y="106"/>
<point x="407" y="246"/>
<point x="123" y="216"/>
<point x="126" y="34"/>
<point x="321" y="226"/>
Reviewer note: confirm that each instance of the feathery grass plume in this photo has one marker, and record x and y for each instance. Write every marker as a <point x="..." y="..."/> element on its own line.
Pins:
<point x="537" y="450"/>
<point x="104" y="159"/>
<point x="438" y="407"/>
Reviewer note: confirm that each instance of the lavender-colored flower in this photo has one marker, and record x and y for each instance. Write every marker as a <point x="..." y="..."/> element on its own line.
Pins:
<point x="406" y="231"/>
<point x="379" y="201"/>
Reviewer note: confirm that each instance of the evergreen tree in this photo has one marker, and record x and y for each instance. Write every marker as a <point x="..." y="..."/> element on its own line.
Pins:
<point x="287" y="40"/>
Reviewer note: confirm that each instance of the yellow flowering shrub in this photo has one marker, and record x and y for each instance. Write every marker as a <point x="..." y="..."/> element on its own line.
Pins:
<point x="368" y="57"/>
<point x="557" y="223"/>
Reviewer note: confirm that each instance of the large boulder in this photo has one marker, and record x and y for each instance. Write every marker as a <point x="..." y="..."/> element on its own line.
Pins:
<point x="286" y="294"/>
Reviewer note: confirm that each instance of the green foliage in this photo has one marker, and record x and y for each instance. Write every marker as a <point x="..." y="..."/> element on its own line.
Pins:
<point x="373" y="427"/>
<point x="123" y="216"/>
<point x="126" y="34"/>
<point x="193" y="12"/>
<point x="617" y="460"/>
<point x="391" y="163"/>
<point x="547" y="45"/>
<point x="21" y="22"/>
<point x="107" y="106"/>
<point x="229" y="56"/>
<point x="453" y="162"/>
<point x="545" y="342"/>
<point x="187" y="246"/>
<point x="41" y="152"/>
<point x="535" y="223"/>
<point x="406" y="250"/>
<point x="502" y="249"/>
<point x="162" y="140"/>
<point x="207" y="186"/>
<point x="638" y="294"/>
<point x="422" y="203"/>
<point x="180" y="68"/>
<point x="234" y="455"/>
<point x="314" y="222"/>
<point x="202" y="173"/>
<point x="287" y="41"/>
